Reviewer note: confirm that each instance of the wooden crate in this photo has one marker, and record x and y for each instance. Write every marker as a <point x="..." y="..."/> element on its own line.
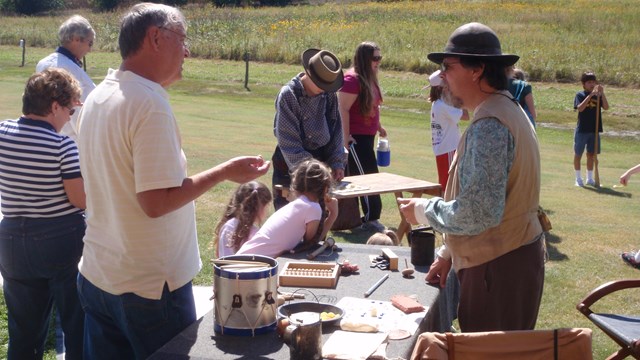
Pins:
<point x="309" y="274"/>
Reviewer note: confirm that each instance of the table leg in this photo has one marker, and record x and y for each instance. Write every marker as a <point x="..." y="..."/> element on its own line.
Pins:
<point x="404" y="227"/>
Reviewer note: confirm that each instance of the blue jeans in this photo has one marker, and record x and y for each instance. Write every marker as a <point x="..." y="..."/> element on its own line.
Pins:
<point x="39" y="263"/>
<point x="128" y="326"/>
<point x="582" y="140"/>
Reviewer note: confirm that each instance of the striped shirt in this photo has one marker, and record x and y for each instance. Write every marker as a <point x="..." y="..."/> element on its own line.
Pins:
<point x="34" y="160"/>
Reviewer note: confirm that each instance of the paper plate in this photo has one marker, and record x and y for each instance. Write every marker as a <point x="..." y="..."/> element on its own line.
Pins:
<point x="287" y="310"/>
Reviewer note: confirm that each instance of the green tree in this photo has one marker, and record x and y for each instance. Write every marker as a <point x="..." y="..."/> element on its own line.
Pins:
<point x="104" y="5"/>
<point x="30" y="7"/>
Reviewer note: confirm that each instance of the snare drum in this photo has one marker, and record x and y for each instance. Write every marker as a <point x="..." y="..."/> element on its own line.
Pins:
<point x="245" y="297"/>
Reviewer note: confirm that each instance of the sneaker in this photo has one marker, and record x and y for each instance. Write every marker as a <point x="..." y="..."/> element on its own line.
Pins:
<point x="630" y="258"/>
<point x="579" y="182"/>
<point x="374" y="225"/>
<point x="591" y="182"/>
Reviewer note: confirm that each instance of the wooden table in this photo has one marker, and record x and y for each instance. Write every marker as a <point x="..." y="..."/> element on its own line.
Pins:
<point x="199" y="341"/>
<point x="383" y="183"/>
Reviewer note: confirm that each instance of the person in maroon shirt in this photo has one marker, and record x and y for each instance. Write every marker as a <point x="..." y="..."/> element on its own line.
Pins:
<point x="360" y="98"/>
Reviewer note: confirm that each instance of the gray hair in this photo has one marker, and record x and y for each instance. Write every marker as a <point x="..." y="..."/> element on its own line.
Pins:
<point x="137" y="21"/>
<point x="75" y="26"/>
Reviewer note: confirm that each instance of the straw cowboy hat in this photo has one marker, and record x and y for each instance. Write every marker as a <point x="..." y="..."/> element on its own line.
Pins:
<point x="323" y="68"/>
<point x="474" y="40"/>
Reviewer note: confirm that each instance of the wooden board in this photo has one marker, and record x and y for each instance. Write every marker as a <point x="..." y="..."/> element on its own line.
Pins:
<point x="309" y="274"/>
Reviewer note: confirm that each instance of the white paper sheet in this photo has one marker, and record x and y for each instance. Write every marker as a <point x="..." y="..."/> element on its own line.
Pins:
<point x="387" y="316"/>
<point x="349" y="345"/>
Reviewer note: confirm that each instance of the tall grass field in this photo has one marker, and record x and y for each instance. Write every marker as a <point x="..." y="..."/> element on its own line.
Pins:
<point x="219" y="118"/>
<point x="556" y="39"/>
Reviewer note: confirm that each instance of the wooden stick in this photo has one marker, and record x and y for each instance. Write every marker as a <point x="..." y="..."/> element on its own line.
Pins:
<point x="239" y="262"/>
<point x="243" y="266"/>
<point x="596" y="174"/>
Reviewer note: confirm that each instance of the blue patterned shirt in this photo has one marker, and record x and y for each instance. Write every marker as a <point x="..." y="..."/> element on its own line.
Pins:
<point x="305" y="123"/>
<point x="483" y="170"/>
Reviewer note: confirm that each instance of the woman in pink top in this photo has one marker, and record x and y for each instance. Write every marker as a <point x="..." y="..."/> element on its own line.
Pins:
<point x="360" y="98"/>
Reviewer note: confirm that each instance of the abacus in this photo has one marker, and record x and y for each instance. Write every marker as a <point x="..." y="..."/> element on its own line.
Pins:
<point x="309" y="274"/>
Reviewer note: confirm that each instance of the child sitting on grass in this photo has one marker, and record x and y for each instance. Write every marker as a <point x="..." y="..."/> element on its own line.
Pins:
<point x="245" y="211"/>
<point x="307" y="219"/>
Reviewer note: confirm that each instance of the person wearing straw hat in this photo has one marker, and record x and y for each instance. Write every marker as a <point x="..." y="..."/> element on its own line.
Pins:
<point x="492" y="235"/>
<point x="307" y="123"/>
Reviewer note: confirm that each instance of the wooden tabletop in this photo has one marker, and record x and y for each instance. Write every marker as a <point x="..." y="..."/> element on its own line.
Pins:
<point x="382" y="183"/>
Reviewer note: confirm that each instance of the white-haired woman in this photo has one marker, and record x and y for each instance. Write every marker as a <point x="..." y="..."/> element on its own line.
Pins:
<point x="76" y="40"/>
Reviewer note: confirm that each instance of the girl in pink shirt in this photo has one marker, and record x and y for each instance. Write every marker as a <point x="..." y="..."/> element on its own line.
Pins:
<point x="305" y="220"/>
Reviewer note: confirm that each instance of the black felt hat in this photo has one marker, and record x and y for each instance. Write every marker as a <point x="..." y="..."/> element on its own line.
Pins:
<point x="323" y="68"/>
<point x="474" y="40"/>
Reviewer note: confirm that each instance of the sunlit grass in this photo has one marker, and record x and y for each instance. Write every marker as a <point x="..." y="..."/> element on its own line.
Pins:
<point x="220" y="119"/>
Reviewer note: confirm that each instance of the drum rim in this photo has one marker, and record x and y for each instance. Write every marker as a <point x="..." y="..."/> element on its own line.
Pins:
<point x="247" y="275"/>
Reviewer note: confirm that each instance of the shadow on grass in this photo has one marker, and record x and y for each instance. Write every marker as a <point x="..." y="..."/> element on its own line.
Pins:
<point x="608" y="191"/>
<point x="552" y="250"/>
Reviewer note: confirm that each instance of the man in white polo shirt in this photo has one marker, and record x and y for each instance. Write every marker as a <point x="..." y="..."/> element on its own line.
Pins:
<point x="141" y="250"/>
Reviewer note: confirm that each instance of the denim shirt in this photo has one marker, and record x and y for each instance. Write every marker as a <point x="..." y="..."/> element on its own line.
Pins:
<point x="304" y="123"/>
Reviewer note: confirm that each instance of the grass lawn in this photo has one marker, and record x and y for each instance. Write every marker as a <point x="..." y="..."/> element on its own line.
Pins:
<point x="219" y="119"/>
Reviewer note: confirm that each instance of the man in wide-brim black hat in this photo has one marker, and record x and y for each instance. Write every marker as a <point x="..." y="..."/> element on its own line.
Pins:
<point x="492" y="235"/>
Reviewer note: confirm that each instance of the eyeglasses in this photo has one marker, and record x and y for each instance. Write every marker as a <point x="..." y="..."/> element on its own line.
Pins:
<point x="183" y="37"/>
<point x="377" y="58"/>
<point x="444" y="66"/>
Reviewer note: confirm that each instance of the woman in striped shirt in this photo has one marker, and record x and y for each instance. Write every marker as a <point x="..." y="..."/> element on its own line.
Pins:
<point x="42" y="202"/>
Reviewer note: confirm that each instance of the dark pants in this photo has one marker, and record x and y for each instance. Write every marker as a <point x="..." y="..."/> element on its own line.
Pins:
<point x="505" y="293"/>
<point x="39" y="263"/>
<point x="362" y="160"/>
<point x="282" y="173"/>
<point x="128" y="326"/>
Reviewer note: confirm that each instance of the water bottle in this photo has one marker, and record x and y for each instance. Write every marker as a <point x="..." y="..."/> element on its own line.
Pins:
<point x="383" y="152"/>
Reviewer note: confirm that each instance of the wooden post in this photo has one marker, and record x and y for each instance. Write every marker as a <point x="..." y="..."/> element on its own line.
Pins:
<point x="23" y="46"/>
<point x="246" y="71"/>
<point x="596" y="174"/>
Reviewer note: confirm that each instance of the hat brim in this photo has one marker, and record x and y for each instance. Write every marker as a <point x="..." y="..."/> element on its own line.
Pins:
<point x="504" y="59"/>
<point x="334" y="86"/>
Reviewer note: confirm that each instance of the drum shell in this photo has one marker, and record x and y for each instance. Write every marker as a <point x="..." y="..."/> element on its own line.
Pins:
<point x="255" y="315"/>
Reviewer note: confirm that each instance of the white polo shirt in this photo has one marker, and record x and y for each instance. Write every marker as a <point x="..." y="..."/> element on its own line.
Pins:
<point x="129" y="142"/>
<point x="59" y="60"/>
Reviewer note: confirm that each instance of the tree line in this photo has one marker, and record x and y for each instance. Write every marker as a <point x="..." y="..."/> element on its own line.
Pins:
<point x="33" y="7"/>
